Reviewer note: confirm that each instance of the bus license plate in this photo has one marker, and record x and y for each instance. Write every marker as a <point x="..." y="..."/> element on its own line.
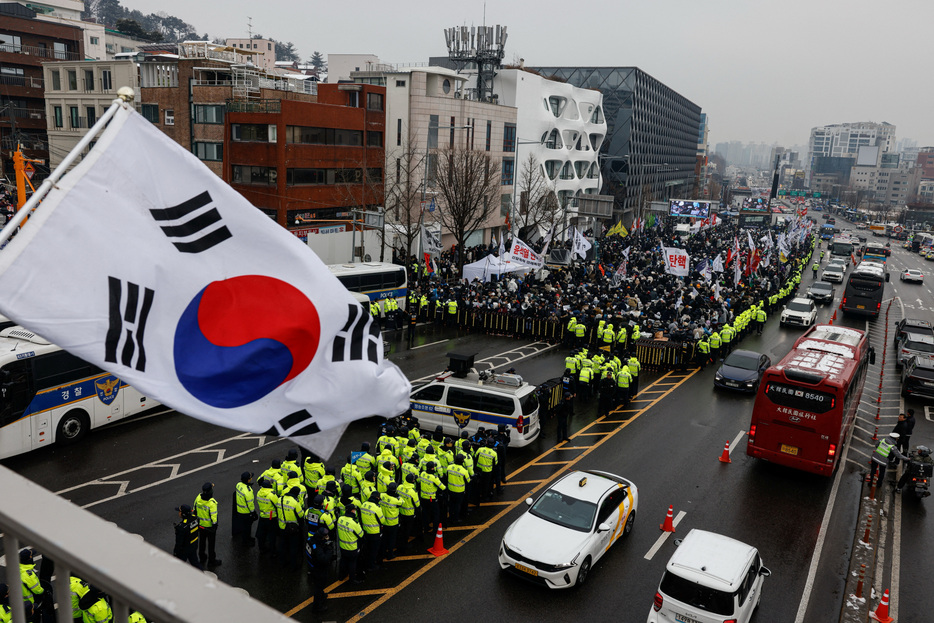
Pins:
<point x="789" y="450"/>
<point x="527" y="570"/>
<point x="860" y="307"/>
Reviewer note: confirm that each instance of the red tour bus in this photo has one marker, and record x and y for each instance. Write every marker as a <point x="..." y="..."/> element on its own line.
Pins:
<point x="807" y="403"/>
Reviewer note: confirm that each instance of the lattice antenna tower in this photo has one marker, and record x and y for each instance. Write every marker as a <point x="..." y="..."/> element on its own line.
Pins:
<point x="481" y="46"/>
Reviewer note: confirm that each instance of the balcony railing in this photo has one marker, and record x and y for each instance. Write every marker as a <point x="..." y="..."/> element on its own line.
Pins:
<point x="30" y="50"/>
<point x="22" y="113"/>
<point x="265" y="106"/>
<point x="22" y="81"/>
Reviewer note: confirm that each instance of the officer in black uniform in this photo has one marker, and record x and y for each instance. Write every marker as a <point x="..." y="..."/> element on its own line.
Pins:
<point x="186" y="536"/>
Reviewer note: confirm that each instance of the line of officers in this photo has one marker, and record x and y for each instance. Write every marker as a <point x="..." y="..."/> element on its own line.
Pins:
<point x="589" y="373"/>
<point x="346" y="522"/>
<point x="89" y="604"/>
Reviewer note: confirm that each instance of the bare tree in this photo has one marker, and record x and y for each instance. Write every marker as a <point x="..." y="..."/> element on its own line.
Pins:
<point x="468" y="185"/>
<point x="538" y="201"/>
<point x="404" y="178"/>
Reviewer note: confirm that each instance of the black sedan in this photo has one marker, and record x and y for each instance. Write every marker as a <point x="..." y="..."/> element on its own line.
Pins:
<point x="742" y="370"/>
<point x="821" y="292"/>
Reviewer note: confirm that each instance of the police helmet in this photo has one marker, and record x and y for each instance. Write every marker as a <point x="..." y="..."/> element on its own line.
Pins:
<point x="26" y="556"/>
<point x="430" y="467"/>
<point x="331" y="487"/>
<point x="924" y="451"/>
<point x="318" y="502"/>
<point x="346" y="490"/>
<point x="184" y="509"/>
<point x="292" y="474"/>
<point x="464" y="434"/>
<point x="894" y="436"/>
<point x="370" y="475"/>
<point x="245" y="477"/>
<point x="365" y="446"/>
<point x="459" y="459"/>
<point x="430" y="450"/>
<point x="208" y="486"/>
<point x="439" y="429"/>
<point x="391" y="488"/>
<point x="292" y="455"/>
<point x="294" y="492"/>
<point x="387" y="465"/>
<point x="410" y="478"/>
<point x="276" y="463"/>
<point x="374" y="496"/>
<point x="448" y="441"/>
<point x="412" y="442"/>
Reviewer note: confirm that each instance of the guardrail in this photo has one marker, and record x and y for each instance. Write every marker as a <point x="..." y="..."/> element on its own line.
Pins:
<point x="134" y="573"/>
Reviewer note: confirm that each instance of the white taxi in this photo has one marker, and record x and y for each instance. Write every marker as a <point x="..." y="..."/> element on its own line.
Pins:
<point x="569" y="528"/>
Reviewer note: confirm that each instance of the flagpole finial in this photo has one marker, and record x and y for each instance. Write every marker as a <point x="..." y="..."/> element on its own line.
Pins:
<point x="127" y="94"/>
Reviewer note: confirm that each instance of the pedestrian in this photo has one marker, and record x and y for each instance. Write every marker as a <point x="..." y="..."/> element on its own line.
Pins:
<point x="880" y="457"/>
<point x="186" y="537"/>
<point x="563" y="414"/>
<point x="349" y="534"/>
<point x="904" y="440"/>
<point x="267" y="505"/>
<point x="320" y="555"/>
<point x="206" y="510"/>
<point x="244" y="509"/>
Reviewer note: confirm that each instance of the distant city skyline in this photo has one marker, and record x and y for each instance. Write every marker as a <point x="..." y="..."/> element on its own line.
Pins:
<point x="761" y="72"/>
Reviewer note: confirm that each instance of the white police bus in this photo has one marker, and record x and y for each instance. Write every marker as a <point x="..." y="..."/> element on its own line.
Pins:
<point x="48" y="395"/>
<point x="377" y="280"/>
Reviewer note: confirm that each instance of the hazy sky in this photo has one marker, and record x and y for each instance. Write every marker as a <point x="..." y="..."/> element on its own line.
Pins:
<point x="762" y="71"/>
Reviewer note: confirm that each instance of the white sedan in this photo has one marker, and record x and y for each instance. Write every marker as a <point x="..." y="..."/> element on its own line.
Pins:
<point x="800" y="312"/>
<point x="912" y="274"/>
<point x="569" y="528"/>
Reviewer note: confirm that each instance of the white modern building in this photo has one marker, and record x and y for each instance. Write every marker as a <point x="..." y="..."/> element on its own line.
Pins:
<point x="560" y="126"/>
<point x="843" y="140"/>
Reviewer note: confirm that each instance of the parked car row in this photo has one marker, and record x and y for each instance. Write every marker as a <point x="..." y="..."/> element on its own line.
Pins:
<point x="914" y="349"/>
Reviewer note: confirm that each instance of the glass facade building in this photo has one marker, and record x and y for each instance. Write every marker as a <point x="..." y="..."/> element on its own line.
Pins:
<point x="650" y="151"/>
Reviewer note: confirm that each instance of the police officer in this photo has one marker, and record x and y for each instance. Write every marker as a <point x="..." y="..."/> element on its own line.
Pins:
<point x="761" y="317"/>
<point x="206" y="510"/>
<point x="34" y="593"/>
<point x="880" y="457"/>
<point x="486" y="459"/>
<point x="267" y="505"/>
<point x="634" y="368"/>
<point x="79" y="588"/>
<point x="457" y="479"/>
<point x="563" y="413"/>
<point x="290" y="464"/>
<point x="319" y="554"/>
<point x="96" y="606"/>
<point x="390" y="504"/>
<point x="186" y="536"/>
<point x="702" y="354"/>
<point x="313" y="471"/>
<point x="349" y="534"/>
<point x="244" y="509"/>
<point x="371" y="520"/>
<point x="429" y="487"/>
<point x="274" y="475"/>
<point x="607" y="391"/>
<point x="408" y="513"/>
<point x="290" y="527"/>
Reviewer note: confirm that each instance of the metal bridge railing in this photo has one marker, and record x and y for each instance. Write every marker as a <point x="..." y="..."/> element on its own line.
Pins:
<point x="134" y="573"/>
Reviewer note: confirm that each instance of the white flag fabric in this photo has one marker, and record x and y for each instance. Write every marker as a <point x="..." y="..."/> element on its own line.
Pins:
<point x="146" y="264"/>
<point x="619" y="275"/>
<point x="502" y="246"/>
<point x="548" y="237"/>
<point x="677" y="261"/>
<point x="717" y="266"/>
<point x="737" y="270"/>
<point x="750" y="242"/>
<point x="626" y="252"/>
<point x="431" y="244"/>
<point x="581" y="244"/>
<point x="522" y="254"/>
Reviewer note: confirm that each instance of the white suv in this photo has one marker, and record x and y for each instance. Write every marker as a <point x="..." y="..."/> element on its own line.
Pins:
<point x="709" y="578"/>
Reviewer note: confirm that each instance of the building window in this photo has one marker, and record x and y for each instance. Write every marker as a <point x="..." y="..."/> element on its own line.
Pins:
<point x="433" y="132"/>
<point x="451" y="138"/>
<point x="150" y="112"/>
<point x="509" y="137"/>
<point x="324" y="136"/>
<point x="398" y="132"/>
<point x="92" y="115"/>
<point x="88" y="79"/>
<point x="306" y="177"/>
<point x="73" y="117"/>
<point x="254" y="176"/>
<point x="398" y="170"/>
<point x="213" y="152"/>
<point x="60" y="51"/>
<point x="169" y="117"/>
<point x="509" y="168"/>
<point x="348" y="176"/>
<point x="95" y="41"/>
<point x="374" y="101"/>
<point x="374" y="139"/>
<point x="505" y="202"/>
<point x="400" y="83"/>
<point x="209" y="113"/>
<point x="268" y="47"/>
<point x="106" y="80"/>
<point x="56" y="80"/>
<point x="57" y="113"/>
<point x="10" y="43"/>
<point x="374" y="175"/>
<point x="253" y="132"/>
<point x="489" y="134"/>
<point x="72" y="79"/>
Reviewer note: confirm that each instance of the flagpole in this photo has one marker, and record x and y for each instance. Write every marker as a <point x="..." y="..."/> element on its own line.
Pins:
<point x="125" y="94"/>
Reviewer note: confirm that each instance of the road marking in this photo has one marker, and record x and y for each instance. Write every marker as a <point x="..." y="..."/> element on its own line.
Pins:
<point x="467" y="538"/>
<point x="664" y="536"/>
<point x="736" y="441"/>
<point x="504" y="356"/>
<point x="431" y="344"/>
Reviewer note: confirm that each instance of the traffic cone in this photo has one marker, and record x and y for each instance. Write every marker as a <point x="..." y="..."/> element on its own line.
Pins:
<point x="668" y="526"/>
<point x="882" y="612"/>
<point x="725" y="457"/>
<point x="438" y="548"/>
<point x="834" y="317"/>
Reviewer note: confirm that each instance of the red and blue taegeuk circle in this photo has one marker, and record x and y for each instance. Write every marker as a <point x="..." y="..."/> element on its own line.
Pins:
<point x="241" y="338"/>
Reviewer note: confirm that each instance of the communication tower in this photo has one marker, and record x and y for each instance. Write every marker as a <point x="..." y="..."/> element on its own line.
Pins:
<point x="483" y="46"/>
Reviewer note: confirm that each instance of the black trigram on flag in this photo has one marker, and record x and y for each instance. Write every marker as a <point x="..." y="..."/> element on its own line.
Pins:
<point x="294" y="424"/>
<point x="129" y="309"/>
<point x="360" y="333"/>
<point x="192" y="229"/>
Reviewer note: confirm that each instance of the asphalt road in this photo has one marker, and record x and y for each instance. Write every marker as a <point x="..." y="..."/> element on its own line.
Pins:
<point x="134" y="473"/>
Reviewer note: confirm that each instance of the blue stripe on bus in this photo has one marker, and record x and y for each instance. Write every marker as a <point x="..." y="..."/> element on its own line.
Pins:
<point x="394" y="293"/>
<point x="63" y="395"/>
<point x="475" y="416"/>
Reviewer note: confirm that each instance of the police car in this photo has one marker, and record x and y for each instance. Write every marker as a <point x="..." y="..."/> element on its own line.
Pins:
<point x="462" y="399"/>
<point x="569" y="528"/>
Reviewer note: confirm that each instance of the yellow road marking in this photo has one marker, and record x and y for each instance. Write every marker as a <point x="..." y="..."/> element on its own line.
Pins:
<point x="524" y="482"/>
<point x="557" y="462"/>
<point x="587" y="435"/>
<point x="389" y="593"/>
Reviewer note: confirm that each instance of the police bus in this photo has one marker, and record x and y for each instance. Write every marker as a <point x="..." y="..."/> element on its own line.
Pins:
<point x="807" y="403"/>
<point x="376" y="280"/>
<point x="48" y="395"/>
<point x="864" y="290"/>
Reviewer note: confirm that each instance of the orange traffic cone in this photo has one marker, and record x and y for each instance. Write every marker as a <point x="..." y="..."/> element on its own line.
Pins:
<point x="834" y="317"/>
<point x="438" y="548"/>
<point x="882" y="612"/>
<point x="668" y="526"/>
<point x="725" y="457"/>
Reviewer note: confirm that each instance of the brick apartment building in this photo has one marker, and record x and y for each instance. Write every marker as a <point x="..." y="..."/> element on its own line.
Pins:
<point x="25" y="43"/>
<point x="303" y="163"/>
